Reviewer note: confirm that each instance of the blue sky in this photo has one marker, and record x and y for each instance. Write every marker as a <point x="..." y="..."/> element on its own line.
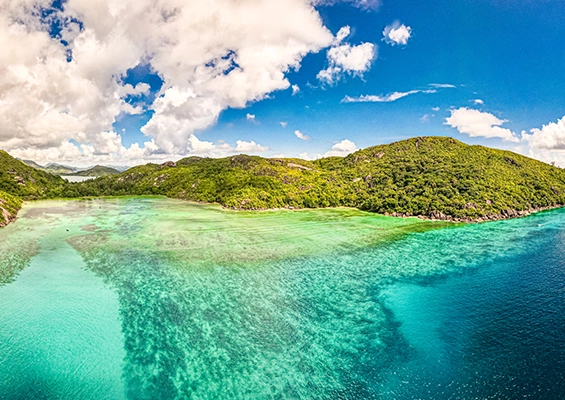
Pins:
<point x="483" y="71"/>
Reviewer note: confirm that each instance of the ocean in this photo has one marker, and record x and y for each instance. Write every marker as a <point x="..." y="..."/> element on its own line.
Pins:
<point x="153" y="298"/>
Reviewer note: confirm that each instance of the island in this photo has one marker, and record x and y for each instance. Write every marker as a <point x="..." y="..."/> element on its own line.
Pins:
<point x="427" y="177"/>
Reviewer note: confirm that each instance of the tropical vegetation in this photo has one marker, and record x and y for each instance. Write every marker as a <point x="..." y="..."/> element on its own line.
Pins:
<point x="437" y="177"/>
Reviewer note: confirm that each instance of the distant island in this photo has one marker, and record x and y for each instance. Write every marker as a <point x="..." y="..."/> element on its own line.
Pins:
<point x="64" y="170"/>
<point x="52" y="168"/>
<point x="96" y="171"/>
<point x="428" y="177"/>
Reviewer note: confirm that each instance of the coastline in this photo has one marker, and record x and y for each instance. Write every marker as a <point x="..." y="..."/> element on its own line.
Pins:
<point x="8" y="218"/>
<point x="507" y="214"/>
<point x="435" y="215"/>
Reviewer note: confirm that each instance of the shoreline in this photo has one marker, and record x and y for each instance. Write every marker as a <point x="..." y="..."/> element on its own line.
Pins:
<point x="437" y="216"/>
<point x="8" y="218"/>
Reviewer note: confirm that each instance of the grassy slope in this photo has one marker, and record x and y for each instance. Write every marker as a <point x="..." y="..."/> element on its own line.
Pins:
<point x="422" y="176"/>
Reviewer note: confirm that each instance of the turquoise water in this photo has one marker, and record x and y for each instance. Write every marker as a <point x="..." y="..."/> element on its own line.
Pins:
<point x="147" y="298"/>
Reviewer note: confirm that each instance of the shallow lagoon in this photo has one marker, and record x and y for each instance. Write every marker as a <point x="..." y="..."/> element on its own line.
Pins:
<point x="147" y="298"/>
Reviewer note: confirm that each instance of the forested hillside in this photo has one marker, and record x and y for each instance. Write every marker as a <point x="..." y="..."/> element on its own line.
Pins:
<point x="19" y="181"/>
<point x="436" y="177"/>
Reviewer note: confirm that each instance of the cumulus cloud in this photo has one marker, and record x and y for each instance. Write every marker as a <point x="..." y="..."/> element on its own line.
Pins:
<point x="283" y="124"/>
<point x="250" y="117"/>
<point x="342" y="149"/>
<point x="53" y="91"/>
<point x="397" y="34"/>
<point x="383" y="99"/>
<point x="546" y="144"/>
<point x="478" y="102"/>
<point x="549" y="137"/>
<point x="301" y="136"/>
<point x="221" y="148"/>
<point x="295" y="89"/>
<point x="249" y="147"/>
<point x="342" y="34"/>
<point x="479" y="124"/>
<point x="346" y="58"/>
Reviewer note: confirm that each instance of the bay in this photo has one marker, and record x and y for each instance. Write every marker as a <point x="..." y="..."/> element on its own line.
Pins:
<point x="158" y="298"/>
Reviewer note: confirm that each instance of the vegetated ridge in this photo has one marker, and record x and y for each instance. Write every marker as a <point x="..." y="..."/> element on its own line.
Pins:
<point x="52" y="168"/>
<point x="97" y="171"/>
<point x="430" y="177"/>
<point x="434" y="177"/>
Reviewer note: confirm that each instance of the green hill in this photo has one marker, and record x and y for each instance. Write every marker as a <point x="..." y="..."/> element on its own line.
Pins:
<point x="97" y="171"/>
<point x="58" y="169"/>
<point x="19" y="181"/>
<point x="437" y="177"/>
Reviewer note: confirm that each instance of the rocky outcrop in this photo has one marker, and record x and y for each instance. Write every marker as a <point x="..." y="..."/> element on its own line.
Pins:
<point x="506" y="214"/>
<point x="5" y="216"/>
<point x="298" y="166"/>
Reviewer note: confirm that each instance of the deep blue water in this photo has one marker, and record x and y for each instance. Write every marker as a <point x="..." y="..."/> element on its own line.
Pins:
<point x="495" y="332"/>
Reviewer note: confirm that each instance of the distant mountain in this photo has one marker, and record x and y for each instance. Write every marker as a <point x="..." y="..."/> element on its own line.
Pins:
<point x="31" y="164"/>
<point x="97" y="171"/>
<point x="58" y="169"/>
<point x="121" y="168"/>
<point x="52" y="168"/>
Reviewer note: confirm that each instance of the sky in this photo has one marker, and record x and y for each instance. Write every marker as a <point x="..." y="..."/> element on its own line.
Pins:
<point x="125" y="82"/>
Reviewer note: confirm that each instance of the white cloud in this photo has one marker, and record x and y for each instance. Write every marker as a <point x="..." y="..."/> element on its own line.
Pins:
<point x="343" y="32"/>
<point x="436" y="109"/>
<point x="284" y="124"/>
<point x="249" y="147"/>
<point x="442" y="85"/>
<point x="362" y="4"/>
<point x="239" y="52"/>
<point x="301" y="136"/>
<point x="479" y="124"/>
<point x="383" y="99"/>
<point x="549" y="137"/>
<point x="478" y="102"/>
<point x="347" y="59"/>
<point x="397" y="34"/>
<point x="250" y="117"/>
<point x="140" y="88"/>
<point x="342" y="149"/>
<point x="222" y="149"/>
<point x="546" y="144"/>
<point x="295" y="89"/>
